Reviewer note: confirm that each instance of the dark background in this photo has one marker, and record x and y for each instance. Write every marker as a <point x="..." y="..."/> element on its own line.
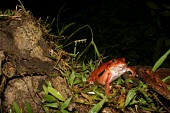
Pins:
<point x="135" y="29"/>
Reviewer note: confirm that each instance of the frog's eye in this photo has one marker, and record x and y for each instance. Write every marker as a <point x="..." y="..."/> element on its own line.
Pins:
<point x="114" y="60"/>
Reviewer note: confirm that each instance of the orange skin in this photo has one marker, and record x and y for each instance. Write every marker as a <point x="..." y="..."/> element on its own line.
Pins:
<point x="110" y="71"/>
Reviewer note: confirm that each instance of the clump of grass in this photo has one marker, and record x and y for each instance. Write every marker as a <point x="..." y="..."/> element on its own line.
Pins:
<point x="53" y="99"/>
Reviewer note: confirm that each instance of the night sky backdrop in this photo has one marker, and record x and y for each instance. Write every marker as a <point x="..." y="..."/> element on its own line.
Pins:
<point x="136" y="29"/>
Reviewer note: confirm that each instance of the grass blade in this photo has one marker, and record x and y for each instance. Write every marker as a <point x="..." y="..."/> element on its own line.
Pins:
<point x="98" y="106"/>
<point x="160" y="61"/>
<point x="65" y="104"/>
<point x="16" y="107"/>
<point x="56" y="93"/>
<point x="29" y="110"/>
<point x="130" y="96"/>
<point x="52" y="105"/>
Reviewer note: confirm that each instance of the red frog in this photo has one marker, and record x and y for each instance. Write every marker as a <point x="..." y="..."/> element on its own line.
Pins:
<point x="110" y="71"/>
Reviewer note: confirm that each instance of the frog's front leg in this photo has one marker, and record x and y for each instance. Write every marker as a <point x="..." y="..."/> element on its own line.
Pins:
<point x="132" y="70"/>
<point x="107" y="85"/>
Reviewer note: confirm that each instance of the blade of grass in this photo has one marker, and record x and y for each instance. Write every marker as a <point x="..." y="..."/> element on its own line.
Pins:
<point x="98" y="106"/>
<point x="49" y="98"/>
<point x="29" y="110"/>
<point x="64" y="111"/>
<point x="91" y="43"/>
<point x="166" y="78"/>
<point x="16" y="107"/>
<point x="56" y="93"/>
<point x="160" y="61"/>
<point x="130" y="95"/>
<point x="45" y="89"/>
<point x="65" y="104"/>
<point x="53" y="105"/>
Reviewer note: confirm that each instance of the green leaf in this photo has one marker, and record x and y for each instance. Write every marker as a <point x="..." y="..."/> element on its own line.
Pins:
<point x="65" y="104"/>
<point x="53" y="57"/>
<point x="49" y="98"/>
<point x="77" y="81"/>
<point x="100" y="94"/>
<point x="120" y="81"/>
<point x="16" y="107"/>
<point x="45" y="89"/>
<point x="46" y="109"/>
<point x="167" y="6"/>
<point x="84" y="67"/>
<point x="53" y="105"/>
<point x="130" y="95"/>
<point x="143" y="91"/>
<point x="142" y="101"/>
<point x="83" y="78"/>
<point x="72" y="77"/>
<point x="165" y="13"/>
<point x="160" y="61"/>
<point x="29" y="110"/>
<point x="64" y="111"/>
<point x="56" y="93"/>
<point x="146" y="108"/>
<point x="98" y="106"/>
<point x="166" y="78"/>
<point x="95" y="48"/>
<point x="49" y="84"/>
<point x="152" y="5"/>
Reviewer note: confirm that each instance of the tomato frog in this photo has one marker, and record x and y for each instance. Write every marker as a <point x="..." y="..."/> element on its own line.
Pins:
<point x="110" y="71"/>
